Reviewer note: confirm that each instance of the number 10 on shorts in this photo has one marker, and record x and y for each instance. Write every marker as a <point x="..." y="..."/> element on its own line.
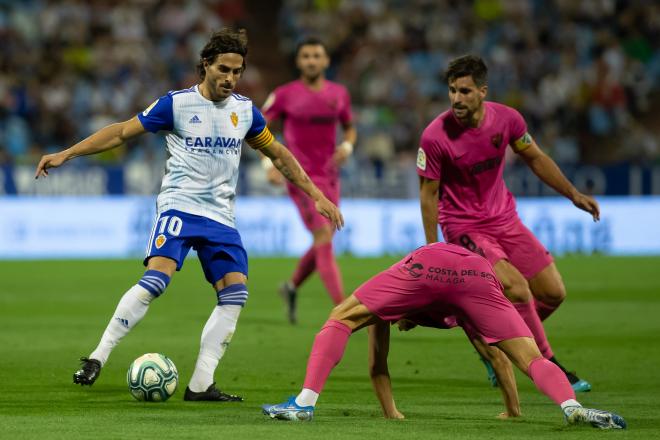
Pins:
<point x="171" y="224"/>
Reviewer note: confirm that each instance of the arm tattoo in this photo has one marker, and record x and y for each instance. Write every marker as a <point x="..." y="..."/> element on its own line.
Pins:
<point x="290" y="169"/>
<point x="284" y="169"/>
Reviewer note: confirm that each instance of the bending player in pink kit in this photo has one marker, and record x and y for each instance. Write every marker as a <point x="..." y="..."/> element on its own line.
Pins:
<point x="460" y="163"/>
<point x="311" y="107"/>
<point x="447" y="280"/>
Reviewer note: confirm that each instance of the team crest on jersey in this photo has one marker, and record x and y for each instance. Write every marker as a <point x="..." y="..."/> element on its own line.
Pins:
<point x="160" y="241"/>
<point x="496" y="140"/>
<point x="421" y="159"/>
<point x="234" y="118"/>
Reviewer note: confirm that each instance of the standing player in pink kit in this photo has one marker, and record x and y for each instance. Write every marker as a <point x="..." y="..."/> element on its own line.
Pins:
<point x="311" y="107"/>
<point x="446" y="280"/>
<point x="460" y="163"/>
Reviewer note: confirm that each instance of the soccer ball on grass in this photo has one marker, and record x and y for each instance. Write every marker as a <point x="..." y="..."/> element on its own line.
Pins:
<point x="152" y="377"/>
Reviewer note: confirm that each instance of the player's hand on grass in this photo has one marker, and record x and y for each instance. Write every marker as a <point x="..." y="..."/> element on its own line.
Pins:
<point x="506" y="415"/>
<point x="394" y="414"/>
<point x="330" y="211"/>
<point x="587" y="203"/>
<point x="405" y="325"/>
<point x="49" y="161"/>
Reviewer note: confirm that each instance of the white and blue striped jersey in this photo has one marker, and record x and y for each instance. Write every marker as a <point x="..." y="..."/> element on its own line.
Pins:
<point x="204" y="143"/>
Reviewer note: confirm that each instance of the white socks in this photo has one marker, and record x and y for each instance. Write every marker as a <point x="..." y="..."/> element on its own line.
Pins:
<point x="307" y="397"/>
<point x="216" y="336"/>
<point x="131" y="309"/>
<point x="569" y="406"/>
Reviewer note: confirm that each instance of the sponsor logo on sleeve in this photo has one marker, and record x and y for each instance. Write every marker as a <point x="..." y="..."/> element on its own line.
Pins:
<point x="523" y="143"/>
<point x="148" y="109"/>
<point x="414" y="269"/>
<point x="421" y="159"/>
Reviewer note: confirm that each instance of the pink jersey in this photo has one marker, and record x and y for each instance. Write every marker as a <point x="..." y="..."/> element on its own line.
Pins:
<point x="310" y="123"/>
<point x="469" y="163"/>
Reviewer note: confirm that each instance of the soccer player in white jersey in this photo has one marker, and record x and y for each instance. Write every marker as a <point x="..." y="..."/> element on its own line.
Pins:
<point x="206" y="127"/>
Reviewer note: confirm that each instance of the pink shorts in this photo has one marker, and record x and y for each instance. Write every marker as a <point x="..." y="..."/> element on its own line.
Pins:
<point x="438" y="319"/>
<point x="512" y="242"/>
<point x="444" y="280"/>
<point x="310" y="216"/>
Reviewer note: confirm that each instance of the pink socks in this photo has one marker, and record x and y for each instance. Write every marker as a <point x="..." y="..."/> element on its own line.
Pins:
<point x="528" y="314"/>
<point x="322" y="259"/>
<point x="550" y="380"/>
<point x="544" y="310"/>
<point x="305" y="267"/>
<point x="327" y="351"/>
<point x="329" y="272"/>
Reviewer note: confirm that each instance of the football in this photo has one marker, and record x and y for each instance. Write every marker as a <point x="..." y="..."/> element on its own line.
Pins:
<point x="152" y="377"/>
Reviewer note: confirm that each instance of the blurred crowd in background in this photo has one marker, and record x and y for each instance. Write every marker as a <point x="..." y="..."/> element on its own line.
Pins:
<point x="584" y="74"/>
<point x="581" y="72"/>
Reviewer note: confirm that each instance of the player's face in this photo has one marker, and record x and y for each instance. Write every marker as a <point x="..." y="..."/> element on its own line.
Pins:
<point x="312" y="61"/>
<point x="223" y="74"/>
<point x="466" y="97"/>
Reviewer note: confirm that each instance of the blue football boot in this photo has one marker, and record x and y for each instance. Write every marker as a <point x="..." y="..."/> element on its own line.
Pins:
<point x="289" y="410"/>
<point x="594" y="417"/>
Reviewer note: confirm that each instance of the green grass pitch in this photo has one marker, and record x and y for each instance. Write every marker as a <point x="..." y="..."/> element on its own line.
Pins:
<point x="52" y="312"/>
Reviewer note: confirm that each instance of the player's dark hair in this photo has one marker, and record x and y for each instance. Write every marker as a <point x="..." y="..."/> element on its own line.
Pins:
<point x="311" y="41"/>
<point x="226" y="40"/>
<point x="467" y="65"/>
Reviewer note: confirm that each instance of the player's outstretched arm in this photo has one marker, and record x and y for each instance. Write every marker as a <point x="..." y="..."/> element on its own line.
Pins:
<point x="505" y="377"/>
<point x="293" y="172"/>
<point x="547" y="170"/>
<point x="105" y="139"/>
<point x="379" y="347"/>
<point x="429" y="190"/>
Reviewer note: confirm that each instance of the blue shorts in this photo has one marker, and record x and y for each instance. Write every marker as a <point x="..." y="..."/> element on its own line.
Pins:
<point x="218" y="246"/>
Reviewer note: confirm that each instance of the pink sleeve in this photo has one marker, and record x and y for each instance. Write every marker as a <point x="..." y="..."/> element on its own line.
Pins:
<point x="429" y="156"/>
<point x="346" y="115"/>
<point x="273" y="108"/>
<point x="517" y="125"/>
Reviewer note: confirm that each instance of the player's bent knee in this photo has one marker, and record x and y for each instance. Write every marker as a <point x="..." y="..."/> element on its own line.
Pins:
<point x="548" y="286"/>
<point x="522" y="351"/>
<point x="322" y="235"/>
<point x="350" y="312"/>
<point x="154" y="282"/>
<point x="518" y="292"/>
<point x="497" y="357"/>
<point x="234" y="294"/>
<point x="552" y="296"/>
<point x="165" y="265"/>
<point x="344" y="308"/>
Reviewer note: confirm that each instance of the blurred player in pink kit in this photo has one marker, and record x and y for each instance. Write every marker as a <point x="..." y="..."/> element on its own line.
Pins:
<point x="440" y="280"/>
<point x="460" y="163"/>
<point x="310" y="108"/>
